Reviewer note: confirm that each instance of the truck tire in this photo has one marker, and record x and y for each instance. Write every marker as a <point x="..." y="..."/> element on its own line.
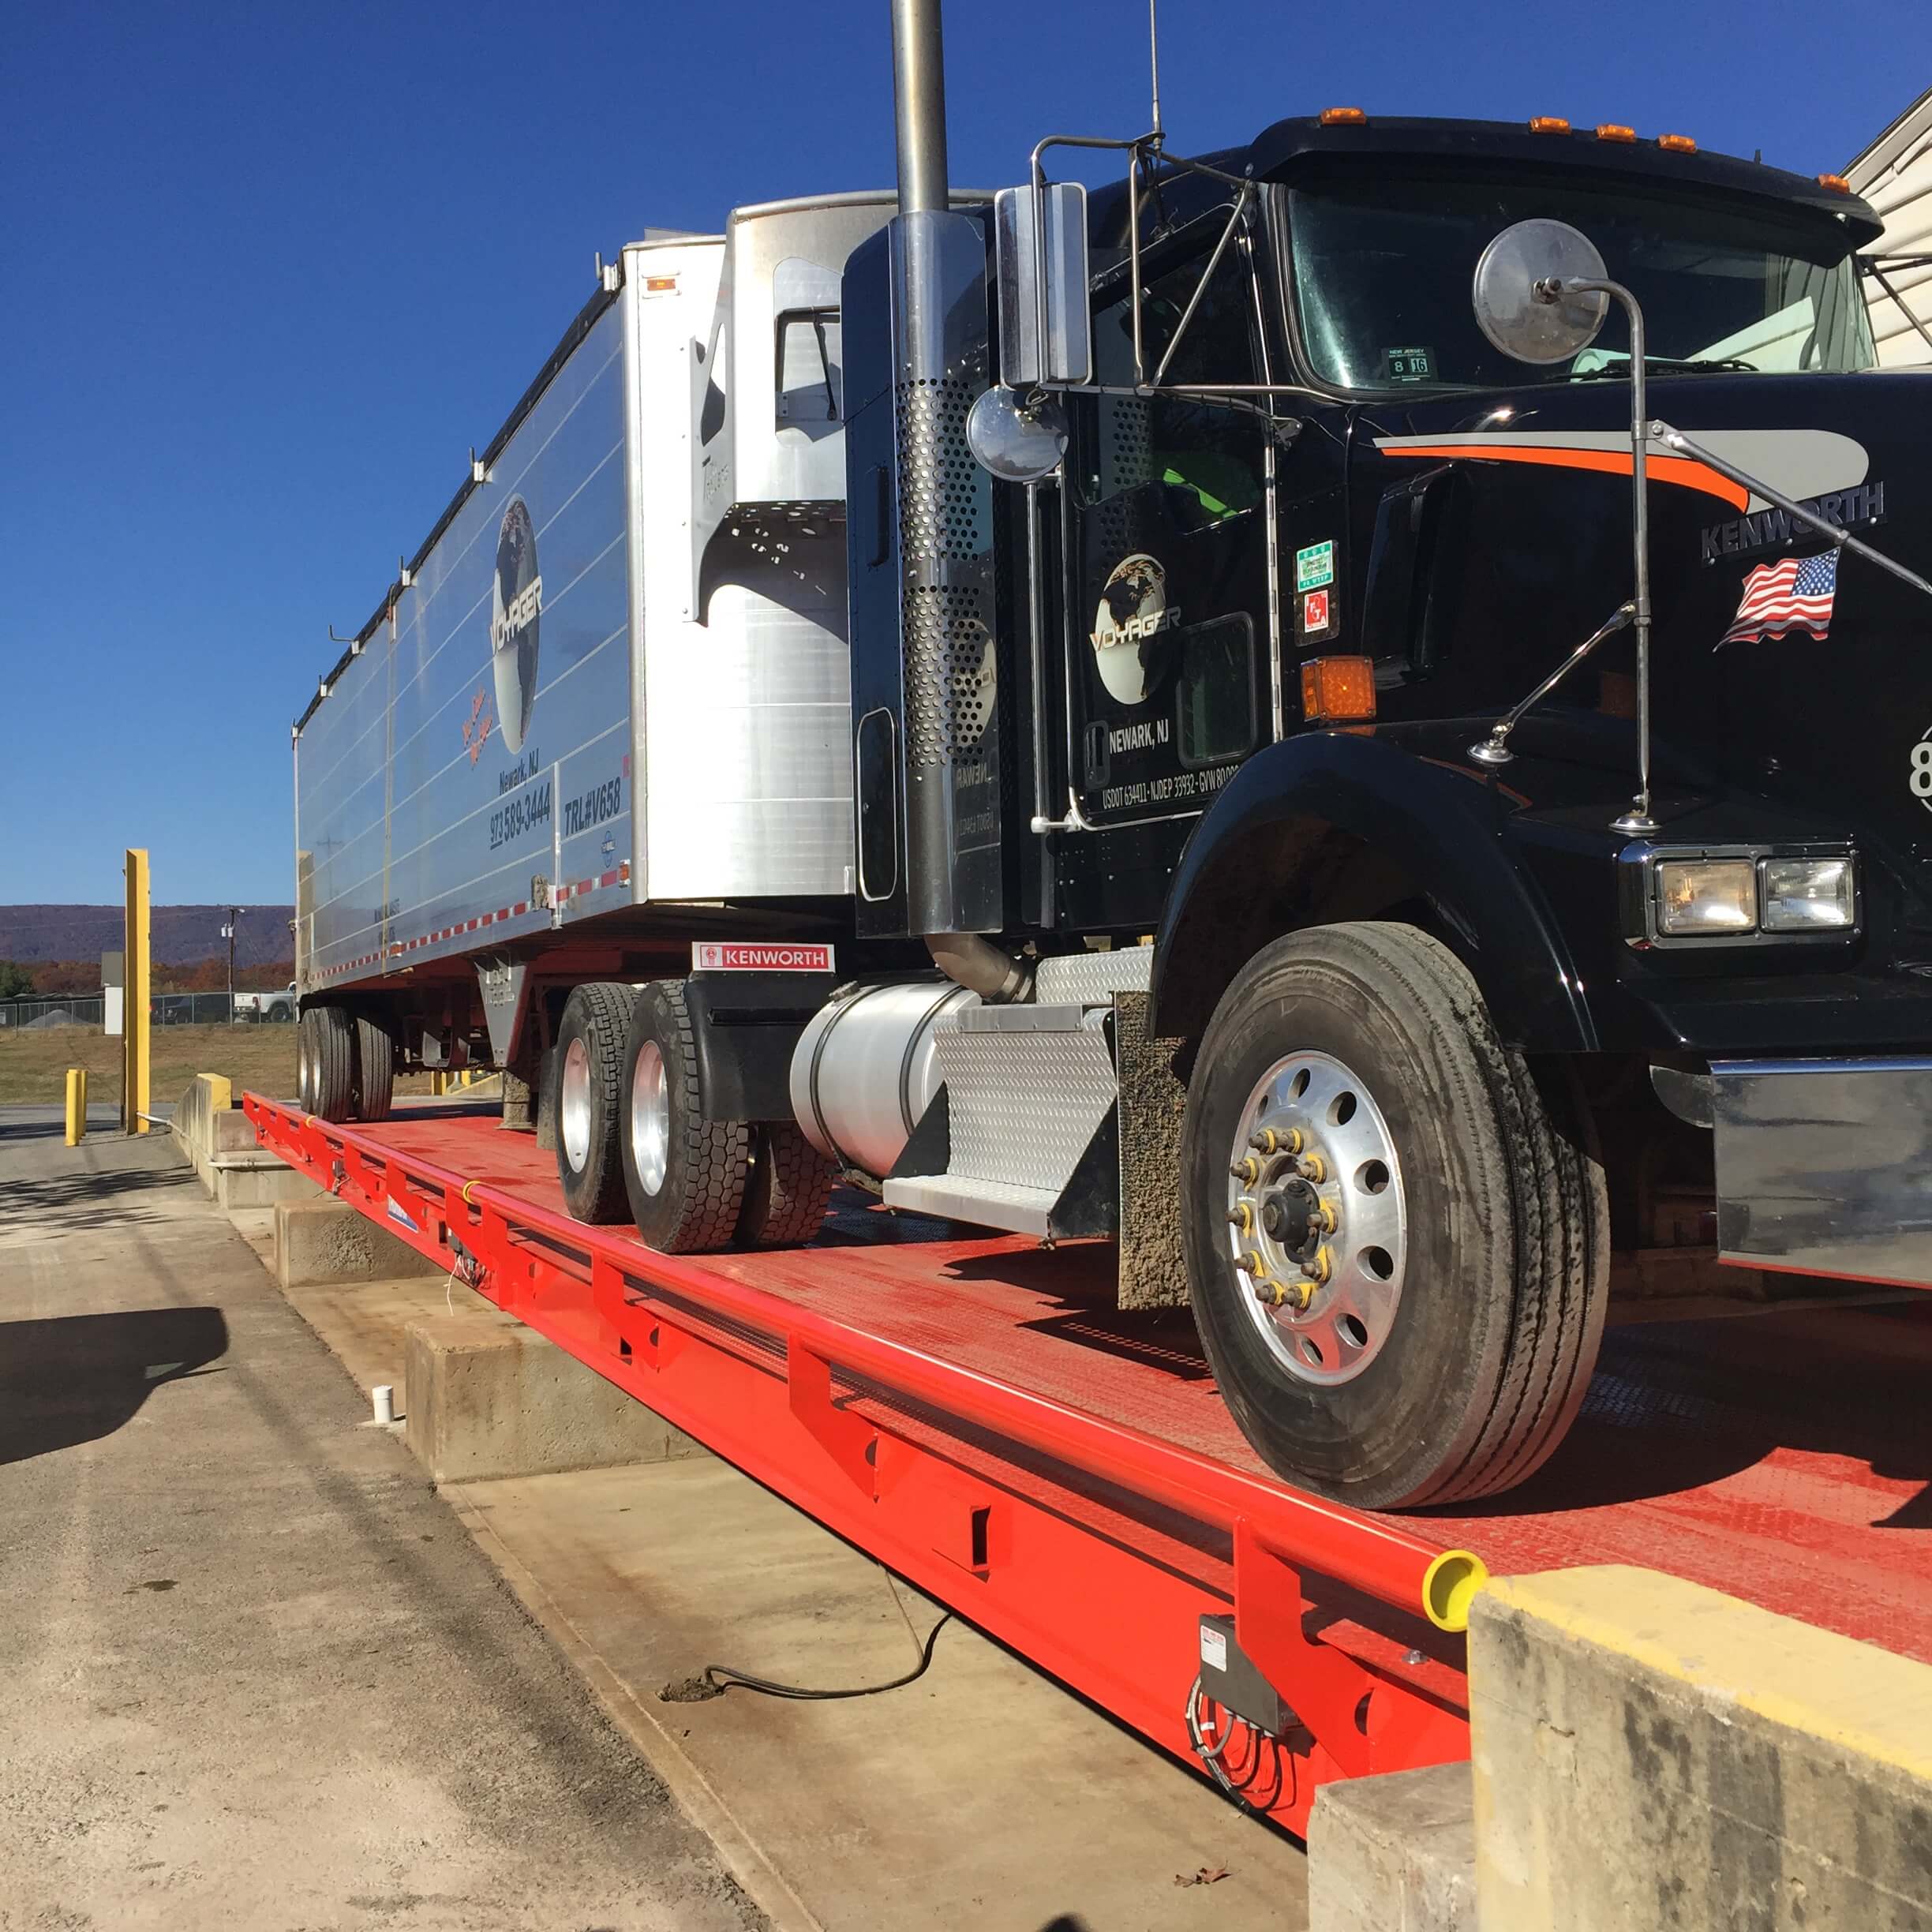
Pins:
<point x="589" y="1111"/>
<point x="786" y="1191"/>
<point x="330" y="1059"/>
<point x="685" y="1175"/>
<point x="305" y="1062"/>
<point x="374" y="1069"/>
<point x="1444" y="1214"/>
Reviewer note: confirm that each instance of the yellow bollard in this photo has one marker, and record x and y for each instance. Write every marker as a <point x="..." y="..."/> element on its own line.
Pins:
<point x="77" y="1105"/>
<point x="134" y="1014"/>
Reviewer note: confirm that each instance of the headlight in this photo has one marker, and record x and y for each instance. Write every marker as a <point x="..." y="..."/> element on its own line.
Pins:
<point x="1738" y="895"/>
<point x="1806" y="895"/>
<point x="1707" y="895"/>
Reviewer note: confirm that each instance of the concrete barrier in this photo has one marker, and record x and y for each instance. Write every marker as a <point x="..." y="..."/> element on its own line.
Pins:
<point x="1649" y="1753"/>
<point x="325" y="1239"/>
<point x="218" y="1140"/>
<point x="1394" y="1854"/>
<point x="484" y="1396"/>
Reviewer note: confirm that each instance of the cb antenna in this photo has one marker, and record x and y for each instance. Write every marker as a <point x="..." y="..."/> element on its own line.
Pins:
<point x="1153" y="65"/>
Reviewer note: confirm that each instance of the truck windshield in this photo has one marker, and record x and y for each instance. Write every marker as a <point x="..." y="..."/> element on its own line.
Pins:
<point x="1383" y="263"/>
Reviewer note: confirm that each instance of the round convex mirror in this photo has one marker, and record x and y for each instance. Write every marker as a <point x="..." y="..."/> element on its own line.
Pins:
<point x="1016" y="445"/>
<point x="1514" y="317"/>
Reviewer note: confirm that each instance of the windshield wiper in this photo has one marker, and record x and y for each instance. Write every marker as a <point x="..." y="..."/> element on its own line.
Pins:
<point x="1670" y="365"/>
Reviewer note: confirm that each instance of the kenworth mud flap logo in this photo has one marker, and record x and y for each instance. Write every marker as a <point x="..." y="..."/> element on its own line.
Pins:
<point x="1133" y="612"/>
<point x="516" y="603"/>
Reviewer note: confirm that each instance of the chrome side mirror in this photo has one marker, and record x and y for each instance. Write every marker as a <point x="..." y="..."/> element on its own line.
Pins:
<point x="1045" y="329"/>
<point x="1522" y="303"/>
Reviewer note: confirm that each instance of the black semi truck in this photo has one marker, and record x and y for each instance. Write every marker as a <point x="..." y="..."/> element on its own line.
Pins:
<point x="1397" y="794"/>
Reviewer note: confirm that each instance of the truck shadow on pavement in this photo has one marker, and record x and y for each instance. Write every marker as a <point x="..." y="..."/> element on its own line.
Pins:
<point x="70" y="1378"/>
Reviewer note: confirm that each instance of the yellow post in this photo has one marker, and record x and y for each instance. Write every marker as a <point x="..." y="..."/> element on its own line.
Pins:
<point x="77" y="1105"/>
<point x="134" y="1099"/>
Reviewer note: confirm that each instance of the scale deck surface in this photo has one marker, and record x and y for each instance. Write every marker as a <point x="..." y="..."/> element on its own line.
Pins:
<point x="1781" y="1457"/>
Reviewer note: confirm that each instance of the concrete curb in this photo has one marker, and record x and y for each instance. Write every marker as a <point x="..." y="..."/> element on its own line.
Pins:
<point x="1646" y="1752"/>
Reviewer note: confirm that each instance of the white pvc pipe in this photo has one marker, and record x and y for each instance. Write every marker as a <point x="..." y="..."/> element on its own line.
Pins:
<point x="383" y="1396"/>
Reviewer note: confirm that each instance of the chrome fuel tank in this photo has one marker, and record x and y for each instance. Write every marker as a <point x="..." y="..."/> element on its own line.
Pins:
<point x="863" y="1071"/>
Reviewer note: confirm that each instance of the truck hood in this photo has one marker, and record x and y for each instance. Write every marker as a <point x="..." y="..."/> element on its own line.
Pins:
<point x="1809" y="688"/>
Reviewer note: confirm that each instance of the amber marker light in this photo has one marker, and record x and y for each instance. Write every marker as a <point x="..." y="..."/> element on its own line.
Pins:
<point x="1549" y="124"/>
<point x="1615" y="131"/>
<point x="1342" y="117"/>
<point x="1337" y="691"/>
<point x="1835" y="181"/>
<point x="1677" y="144"/>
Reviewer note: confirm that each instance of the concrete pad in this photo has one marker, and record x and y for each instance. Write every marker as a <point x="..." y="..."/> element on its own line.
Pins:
<point x="257" y="1675"/>
<point x="324" y="1240"/>
<point x="1647" y="1752"/>
<point x="1394" y="1854"/>
<point x="981" y="1795"/>
<point x="485" y="1396"/>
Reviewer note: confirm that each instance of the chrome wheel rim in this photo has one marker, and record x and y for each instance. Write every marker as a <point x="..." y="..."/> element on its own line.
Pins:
<point x="573" y="1105"/>
<point x="650" y="1118"/>
<point x="1317" y="1223"/>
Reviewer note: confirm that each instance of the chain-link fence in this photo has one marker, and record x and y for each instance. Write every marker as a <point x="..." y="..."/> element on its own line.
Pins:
<point x="74" y="1009"/>
<point x="88" y="1009"/>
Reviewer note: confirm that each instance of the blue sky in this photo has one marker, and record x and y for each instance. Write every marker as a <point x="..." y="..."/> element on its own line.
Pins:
<point x="269" y="271"/>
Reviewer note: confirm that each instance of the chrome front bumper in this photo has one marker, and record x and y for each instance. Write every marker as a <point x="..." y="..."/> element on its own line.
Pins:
<point x="1824" y="1166"/>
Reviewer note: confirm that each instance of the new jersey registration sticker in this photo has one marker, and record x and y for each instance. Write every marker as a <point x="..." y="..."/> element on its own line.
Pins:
<point x="758" y="955"/>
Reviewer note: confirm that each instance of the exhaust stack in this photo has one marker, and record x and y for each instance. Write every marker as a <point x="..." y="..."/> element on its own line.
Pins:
<point x="954" y="823"/>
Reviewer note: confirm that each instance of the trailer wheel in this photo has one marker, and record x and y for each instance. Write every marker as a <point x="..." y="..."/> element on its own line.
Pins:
<point x="329" y="1064"/>
<point x="786" y="1191"/>
<point x="1396" y="1232"/>
<point x="685" y="1175"/>
<point x="374" y="1069"/>
<point x="589" y="1110"/>
<point x="304" y="1061"/>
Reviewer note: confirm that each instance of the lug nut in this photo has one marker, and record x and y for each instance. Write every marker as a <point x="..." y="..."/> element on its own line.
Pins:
<point x="1271" y="1141"/>
<point x="1313" y="1167"/>
<point x="1249" y="1262"/>
<point x="1240" y="1215"/>
<point x="1325" y="1215"/>
<point x="1248" y="1170"/>
<point x="1320" y="1267"/>
<point x="1272" y="1293"/>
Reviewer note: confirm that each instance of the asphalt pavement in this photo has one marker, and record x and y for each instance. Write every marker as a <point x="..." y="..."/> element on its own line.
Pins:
<point x="257" y="1674"/>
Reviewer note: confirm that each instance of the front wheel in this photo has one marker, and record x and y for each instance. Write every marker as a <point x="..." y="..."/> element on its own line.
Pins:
<point x="1397" y="1237"/>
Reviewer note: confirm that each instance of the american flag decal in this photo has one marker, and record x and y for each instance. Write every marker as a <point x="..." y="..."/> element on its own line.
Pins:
<point x="1793" y="593"/>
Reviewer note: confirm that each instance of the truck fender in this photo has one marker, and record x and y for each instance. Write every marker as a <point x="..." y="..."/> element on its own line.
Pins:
<point x="1329" y="826"/>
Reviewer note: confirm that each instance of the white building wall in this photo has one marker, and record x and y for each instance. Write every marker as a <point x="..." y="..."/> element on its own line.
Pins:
<point x="1895" y="175"/>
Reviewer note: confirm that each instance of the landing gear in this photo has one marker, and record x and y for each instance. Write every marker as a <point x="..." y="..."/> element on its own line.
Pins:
<point x="1395" y="1231"/>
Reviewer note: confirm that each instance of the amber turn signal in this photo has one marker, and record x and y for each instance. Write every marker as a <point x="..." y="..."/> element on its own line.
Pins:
<point x="1342" y="117"/>
<point x="1835" y="181"/>
<point x="1677" y="144"/>
<point x="1615" y="131"/>
<point x="1337" y="691"/>
<point x="1549" y="124"/>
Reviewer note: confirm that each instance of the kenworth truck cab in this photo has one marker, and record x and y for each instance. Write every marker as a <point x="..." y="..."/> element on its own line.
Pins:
<point x="1402" y="813"/>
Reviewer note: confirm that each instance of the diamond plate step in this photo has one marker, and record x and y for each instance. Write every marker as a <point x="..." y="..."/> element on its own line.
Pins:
<point x="983" y="1204"/>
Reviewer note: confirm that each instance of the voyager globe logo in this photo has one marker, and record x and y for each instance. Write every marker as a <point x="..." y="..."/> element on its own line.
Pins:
<point x="1133" y="613"/>
<point x="516" y="603"/>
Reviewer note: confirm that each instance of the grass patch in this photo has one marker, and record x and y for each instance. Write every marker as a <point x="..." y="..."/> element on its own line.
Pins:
<point x="34" y="1062"/>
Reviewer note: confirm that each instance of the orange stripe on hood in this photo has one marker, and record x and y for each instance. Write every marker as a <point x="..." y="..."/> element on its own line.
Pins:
<point x="1683" y="470"/>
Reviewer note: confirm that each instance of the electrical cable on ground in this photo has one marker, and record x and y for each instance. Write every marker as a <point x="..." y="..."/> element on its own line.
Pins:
<point x="717" y="1679"/>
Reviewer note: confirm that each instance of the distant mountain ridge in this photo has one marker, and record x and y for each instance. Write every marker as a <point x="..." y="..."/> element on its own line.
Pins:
<point x="178" y="935"/>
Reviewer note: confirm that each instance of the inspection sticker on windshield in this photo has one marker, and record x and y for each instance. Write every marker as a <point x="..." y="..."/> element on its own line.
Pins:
<point x="1411" y="365"/>
<point x="1315" y="567"/>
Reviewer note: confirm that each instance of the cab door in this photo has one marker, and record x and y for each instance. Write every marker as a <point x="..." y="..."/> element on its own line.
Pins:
<point x="1166" y="561"/>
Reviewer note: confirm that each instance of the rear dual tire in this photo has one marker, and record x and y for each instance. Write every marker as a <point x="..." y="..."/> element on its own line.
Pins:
<point x="1459" y="1224"/>
<point x="345" y="1065"/>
